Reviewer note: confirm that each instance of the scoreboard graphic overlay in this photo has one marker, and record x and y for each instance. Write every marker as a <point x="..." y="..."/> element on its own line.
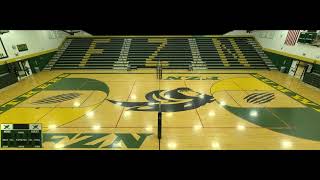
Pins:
<point x="21" y="136"/>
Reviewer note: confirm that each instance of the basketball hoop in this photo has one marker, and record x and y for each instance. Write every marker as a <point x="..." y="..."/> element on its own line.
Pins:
<point x="3" y="31"/>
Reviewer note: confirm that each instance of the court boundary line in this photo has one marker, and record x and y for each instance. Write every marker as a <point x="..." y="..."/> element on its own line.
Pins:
<point x="97" y="105"/>
<point x="70" y="73"/>
<point x="155" y="73"/>
<point x="287" y="89"/>
<point x="264" y="107"/>
<point x="65" y="75"/>
<point x="93" y="109"/>
<point x="252" y="74"/>
<point x="196" y="109"/>
<point x="124" y="107"/>
<point x="37" y="87"/>
<point x="169" y="127"/>
<point x="52" y="109"/>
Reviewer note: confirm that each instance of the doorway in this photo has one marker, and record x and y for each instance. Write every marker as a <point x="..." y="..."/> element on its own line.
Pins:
<point x="22" y="69"/>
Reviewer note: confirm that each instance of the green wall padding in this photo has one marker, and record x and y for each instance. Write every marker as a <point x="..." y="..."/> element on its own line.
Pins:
<point x="3" y="69"/>
<point x="279" y="60"/>
<point x="40" y="61"/>
<point x="316" y="68"/>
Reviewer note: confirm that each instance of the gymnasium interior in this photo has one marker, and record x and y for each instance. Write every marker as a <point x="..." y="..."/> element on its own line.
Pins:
<point x="241" y="90"/>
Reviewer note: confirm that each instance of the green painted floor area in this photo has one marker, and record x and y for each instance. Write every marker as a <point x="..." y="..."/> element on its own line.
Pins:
<point x="79" y="84"/>
<point x="298" y="122"/>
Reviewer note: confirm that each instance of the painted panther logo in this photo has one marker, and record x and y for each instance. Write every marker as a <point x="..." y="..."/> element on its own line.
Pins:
<point x="179" y="99"/>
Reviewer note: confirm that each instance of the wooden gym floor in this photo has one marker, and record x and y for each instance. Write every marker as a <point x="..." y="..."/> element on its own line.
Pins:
<point x="202" y="110"/>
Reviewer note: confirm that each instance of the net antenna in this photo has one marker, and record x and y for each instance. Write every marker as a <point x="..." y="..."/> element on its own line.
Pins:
<point x="159" y="76"/>
<point x="159" y="70"/>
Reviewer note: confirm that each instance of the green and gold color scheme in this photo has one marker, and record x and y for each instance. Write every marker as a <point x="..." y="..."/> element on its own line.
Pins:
<point x="91" y="50"/>
<point x="219" y="47"/>
<point x="289" y="119"/>
<point x="172" y="52"/>
<point x="203" y="107"/>
<point x="201" y="110"/>
<point x="150" y="61"/>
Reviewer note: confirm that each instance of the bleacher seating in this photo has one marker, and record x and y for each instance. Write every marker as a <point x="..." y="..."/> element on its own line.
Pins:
<point x="216" y="52"/>
<point x="73" y="54"/>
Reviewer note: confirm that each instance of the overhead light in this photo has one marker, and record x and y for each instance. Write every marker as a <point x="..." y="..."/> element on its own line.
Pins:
<point x="133" y="96"/>
<point x="197" y="127"/>
<point x="241" y="127"/>
<point x="52" y="126"/>
<point x="90" y="114"/>
<point x="169" y="114"/>
<point x="76" y="104"/>
<point x="96" y="127"/>
<point x="254" y="113"/>
<point x="59" y="146"/>
<point x="285" y="144"/>
<point x="71" y="32"/>
<point x="117" y="145"/>
<point x="149" y="128"/>
<point x="211" y="113"/>
<point x="222" y="103"/>
<point x="188" y="105"/>
<point x="215" y="145"/>
<point x="172" y="145"/>
<point x="127" y="113"/>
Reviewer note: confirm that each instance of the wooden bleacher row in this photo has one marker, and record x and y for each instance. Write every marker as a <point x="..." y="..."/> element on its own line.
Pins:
<point x="214" y="53"/>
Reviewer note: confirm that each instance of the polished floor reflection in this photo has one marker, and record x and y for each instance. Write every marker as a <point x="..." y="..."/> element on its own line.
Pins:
<point x="205" y="110"/>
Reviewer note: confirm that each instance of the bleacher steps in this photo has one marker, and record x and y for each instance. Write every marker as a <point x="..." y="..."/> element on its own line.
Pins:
<point x="197" y="62"/>
<point x="57" y="55"/>
<point x="122" y="62"/>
